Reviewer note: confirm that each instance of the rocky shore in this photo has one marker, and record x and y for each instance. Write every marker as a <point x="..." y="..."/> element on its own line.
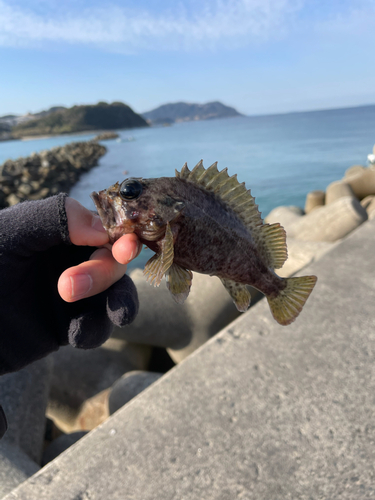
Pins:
<point x="106" y="136"/>
<point x="79" y="390"/>
<point x="47" y="173"/>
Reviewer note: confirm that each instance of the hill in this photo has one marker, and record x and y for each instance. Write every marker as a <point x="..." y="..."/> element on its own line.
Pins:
<point x="13" y="120"/>
<point x="101" y="116"/>
<point x="5" y="134"/>
<point x="182" y="111"/>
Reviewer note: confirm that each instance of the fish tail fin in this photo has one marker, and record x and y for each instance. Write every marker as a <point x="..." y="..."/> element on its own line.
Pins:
<point x="287" y="305"/>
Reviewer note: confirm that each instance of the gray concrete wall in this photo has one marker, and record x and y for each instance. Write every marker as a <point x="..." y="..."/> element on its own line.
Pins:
<point x="261" y="411"/>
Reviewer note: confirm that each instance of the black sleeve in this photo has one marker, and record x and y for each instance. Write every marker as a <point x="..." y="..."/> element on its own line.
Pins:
<point x="34" y="250"/>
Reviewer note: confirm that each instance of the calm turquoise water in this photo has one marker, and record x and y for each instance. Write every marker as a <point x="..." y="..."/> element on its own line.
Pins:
<point x="280" y="157"/>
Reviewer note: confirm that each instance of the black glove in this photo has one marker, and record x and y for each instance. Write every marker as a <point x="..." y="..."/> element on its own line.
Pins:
<point x="34" y="320"/>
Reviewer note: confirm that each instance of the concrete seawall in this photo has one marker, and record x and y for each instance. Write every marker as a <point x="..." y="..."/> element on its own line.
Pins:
<point x="260" y="411"/>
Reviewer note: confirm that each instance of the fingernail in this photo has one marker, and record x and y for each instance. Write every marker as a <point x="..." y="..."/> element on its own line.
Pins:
<point x="81" y="285"/>
<point x="135" y="251"/>
<point x="96" y="223"/>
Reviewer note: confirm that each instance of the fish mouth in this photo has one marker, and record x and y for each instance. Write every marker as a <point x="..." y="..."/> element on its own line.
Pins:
<point x="105" y="209"/>
<point x="112" y="215"/>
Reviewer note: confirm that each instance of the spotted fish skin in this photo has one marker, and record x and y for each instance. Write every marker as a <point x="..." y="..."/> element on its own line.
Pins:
<point x="205" y="221"/>
<point x="211" y="239"/>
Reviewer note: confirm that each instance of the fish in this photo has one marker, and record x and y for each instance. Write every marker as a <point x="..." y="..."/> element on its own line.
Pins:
<point x="204" y="220"/>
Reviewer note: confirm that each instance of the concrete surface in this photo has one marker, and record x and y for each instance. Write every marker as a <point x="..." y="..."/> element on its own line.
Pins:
<point x="259" y="412"/>
<point x="15" y="467"/>
<point x="24" y="396"/>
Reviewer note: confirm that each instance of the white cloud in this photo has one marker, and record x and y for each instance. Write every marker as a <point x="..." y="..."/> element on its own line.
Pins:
<point x="357" y="19"/>
<point x="217" y="23"/>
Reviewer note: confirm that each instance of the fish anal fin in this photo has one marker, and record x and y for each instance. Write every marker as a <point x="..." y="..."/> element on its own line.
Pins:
<point x="271" y="242"/>
<point x="239" y="293"/>
<point x="159" y="264"/>
<point x="179" y="282"/>
<point x="287" y="305"/>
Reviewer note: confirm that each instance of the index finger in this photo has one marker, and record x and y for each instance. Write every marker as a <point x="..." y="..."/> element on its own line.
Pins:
<point x="90" y="277"/>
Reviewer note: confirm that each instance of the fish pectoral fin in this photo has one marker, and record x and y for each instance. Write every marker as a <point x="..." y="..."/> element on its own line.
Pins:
<point x="239" y="293"/>
<point x="287" y="305"/>
<point x="159" y="264"/>
<point x="154" y="270"/>
<point x="179" y="282"/>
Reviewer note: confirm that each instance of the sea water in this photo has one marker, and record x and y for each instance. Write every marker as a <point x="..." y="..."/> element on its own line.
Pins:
<point x="280" y="157"/>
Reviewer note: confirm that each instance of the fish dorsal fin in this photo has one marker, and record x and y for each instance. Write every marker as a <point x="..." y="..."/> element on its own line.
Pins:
<point x="228" y="189"/>
<point x="270" y="239"/>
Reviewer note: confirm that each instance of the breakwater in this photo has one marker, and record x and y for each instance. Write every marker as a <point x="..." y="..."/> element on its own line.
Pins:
<point x="47" y="173"/>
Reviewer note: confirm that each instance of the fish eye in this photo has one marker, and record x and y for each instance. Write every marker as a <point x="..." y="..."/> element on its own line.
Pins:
<point x="130" y="189"/>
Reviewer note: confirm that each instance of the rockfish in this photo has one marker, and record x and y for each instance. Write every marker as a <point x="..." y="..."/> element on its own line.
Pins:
<point x="205" y="221"/>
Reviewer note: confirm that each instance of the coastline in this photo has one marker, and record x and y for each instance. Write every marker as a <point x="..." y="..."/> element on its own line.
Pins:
<point x="70" y="134"/>
<point x="48" y="136"/>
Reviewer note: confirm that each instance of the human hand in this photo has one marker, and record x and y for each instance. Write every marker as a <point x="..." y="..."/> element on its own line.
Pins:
<point x="39" y="247"/>
<point x="35" y="250"/>
<point x="106" y="264"/>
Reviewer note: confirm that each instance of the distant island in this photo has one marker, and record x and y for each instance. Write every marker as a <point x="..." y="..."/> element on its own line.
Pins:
<point x="183" y="112"/>
<point x="61" y="120"/>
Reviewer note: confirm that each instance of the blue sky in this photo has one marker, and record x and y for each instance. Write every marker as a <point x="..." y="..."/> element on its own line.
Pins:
<point x="260" y="56"/>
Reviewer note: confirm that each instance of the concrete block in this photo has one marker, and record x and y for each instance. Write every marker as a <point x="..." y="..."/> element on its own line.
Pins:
<point x="331" y="222"/>
<point x="24" y="396"/>
<point x="365" y="202"/>
<point x="369" y="204"/>
<point x="286" y="216"/>
<point x="181" y="328"/>
<point x="354" y="170"/>
<point x="362" y="183"/>
<point x="61" y="444"/>
<point x="314" y="199"/>
<point x="79" y="375"/>
<point x="338" y="189"/>
<point x="93" y="412"/>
